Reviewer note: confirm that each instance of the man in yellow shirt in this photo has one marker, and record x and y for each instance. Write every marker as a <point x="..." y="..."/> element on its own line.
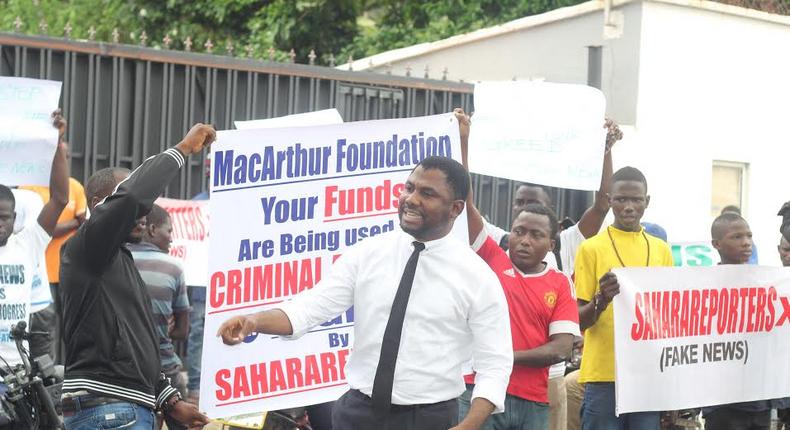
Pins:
<point x="623" y="244"/>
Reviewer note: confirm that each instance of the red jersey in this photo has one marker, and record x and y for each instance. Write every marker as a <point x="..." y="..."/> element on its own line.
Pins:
<point x="540" y="305"/>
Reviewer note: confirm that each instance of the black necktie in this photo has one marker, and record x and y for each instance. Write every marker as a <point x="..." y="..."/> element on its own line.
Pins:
<point x="385" y="372"/>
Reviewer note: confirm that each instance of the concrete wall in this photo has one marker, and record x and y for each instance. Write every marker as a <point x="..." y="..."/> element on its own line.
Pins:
<point x="712" y="86"/>
<point x="556" y="52"/>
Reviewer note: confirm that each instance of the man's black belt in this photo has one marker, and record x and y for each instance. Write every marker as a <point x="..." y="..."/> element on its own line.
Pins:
<point x="400" y="408"/>
<point x="72" y="405"/>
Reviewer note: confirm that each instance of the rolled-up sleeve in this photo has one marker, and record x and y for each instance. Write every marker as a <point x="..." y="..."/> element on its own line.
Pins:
<point x="492" y="352"/>
<point x="333" y="295"/>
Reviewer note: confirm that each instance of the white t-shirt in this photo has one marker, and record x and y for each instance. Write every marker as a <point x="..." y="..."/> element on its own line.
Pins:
<point x="27" y="207"/>
<point x="570" y="239"/>
<point x="19" y="261"/>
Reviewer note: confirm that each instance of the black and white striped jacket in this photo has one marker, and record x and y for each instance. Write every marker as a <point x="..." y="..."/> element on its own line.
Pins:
<point x="112" y="348"/>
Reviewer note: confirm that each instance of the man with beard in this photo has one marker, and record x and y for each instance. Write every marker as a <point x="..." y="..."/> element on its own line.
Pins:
<point x="455" y="304"/>
<point x="113" y="375"/>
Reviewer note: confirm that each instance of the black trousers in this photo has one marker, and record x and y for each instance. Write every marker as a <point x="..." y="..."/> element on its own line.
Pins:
<point x="354" y="411"/>
<point x="733" y="419"/>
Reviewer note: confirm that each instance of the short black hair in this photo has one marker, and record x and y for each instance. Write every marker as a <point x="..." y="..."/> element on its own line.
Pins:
<point x="540" y="187"/>
<point x="629" y="173"/>
<point x="7" y="195"/>
<point x="723" y="221"/>
<point x="731" y="208"/>
<point x="102" y="183"/>
<point x="457" y="176"/>
<point x="538" y="209"/>
<point x="157" y="216"/>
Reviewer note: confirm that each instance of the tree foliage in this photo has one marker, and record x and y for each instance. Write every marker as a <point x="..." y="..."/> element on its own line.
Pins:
<point x="340" y="27"/>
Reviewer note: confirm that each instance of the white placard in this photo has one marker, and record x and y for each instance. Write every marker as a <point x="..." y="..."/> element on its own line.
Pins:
<point x="321" y="117"/>
<point x="190" y="222"/>
<point x="27" y="138"/>
<point x="284" y="203"/>
<point x="700" y="336"/>
<point x="537" y="132"/>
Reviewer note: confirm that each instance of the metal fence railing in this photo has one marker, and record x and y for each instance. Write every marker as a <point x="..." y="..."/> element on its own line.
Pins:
<point x="125" y="103"/>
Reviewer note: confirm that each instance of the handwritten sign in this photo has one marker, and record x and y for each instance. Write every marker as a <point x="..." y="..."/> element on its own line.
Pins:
<point x="284" y="204"/>
<point x="542" y="133"/>
<point x="321" y="117"/>
<point x="700" y="336"/>
<point x="27" y="138"/>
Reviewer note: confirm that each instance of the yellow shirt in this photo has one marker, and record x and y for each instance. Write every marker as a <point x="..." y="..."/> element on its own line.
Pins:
<point x="77" y="206"/>
<point x="595" y="257"/>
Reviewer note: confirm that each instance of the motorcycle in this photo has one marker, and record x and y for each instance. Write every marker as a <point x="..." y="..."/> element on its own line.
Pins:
<point x="31" y="399"/>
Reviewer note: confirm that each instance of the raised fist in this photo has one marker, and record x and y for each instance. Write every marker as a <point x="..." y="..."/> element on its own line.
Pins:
<point x="199" y="137"/>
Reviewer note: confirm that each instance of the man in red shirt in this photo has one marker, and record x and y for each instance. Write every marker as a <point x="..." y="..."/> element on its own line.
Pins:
<point x="543" y="315"/>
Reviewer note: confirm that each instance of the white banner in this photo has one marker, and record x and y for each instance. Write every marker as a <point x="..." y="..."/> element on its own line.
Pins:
<point x="284" y="204"/>
<point x="27" y="138"/>
<point x="701" y="336"/>
<point x="542" y="133"/>
<point x="320" y="117"/>
<point x="190" y="221"/>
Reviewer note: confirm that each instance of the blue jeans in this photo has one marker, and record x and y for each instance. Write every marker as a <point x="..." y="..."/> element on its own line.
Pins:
<point x="127" y="416"/>
<point x="195" y="343"/>
<point x="520" y="414"/>
<point x="598" y="411"/>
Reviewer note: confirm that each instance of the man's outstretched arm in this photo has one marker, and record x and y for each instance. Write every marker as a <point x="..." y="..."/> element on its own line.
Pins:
<point x="474" y="220"/>
<point x="58" y="180"/>
<point x="112" y="220"/>
<point x="592" y="219"/>
<point x="274" y="321"/>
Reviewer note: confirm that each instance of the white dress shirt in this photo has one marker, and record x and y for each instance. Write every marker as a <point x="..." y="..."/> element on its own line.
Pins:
<point x="456" y="310"/>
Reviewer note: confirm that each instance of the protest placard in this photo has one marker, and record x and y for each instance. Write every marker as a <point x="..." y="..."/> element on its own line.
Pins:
<point x="700" y="336"/>
<point x="284" y="204"/>
<point x="536" y="132"/>
<point x="27" y="138"/>
<point x="190" y="222"/>
<point x="320" y="117"/>
<point x="694" y="254"/>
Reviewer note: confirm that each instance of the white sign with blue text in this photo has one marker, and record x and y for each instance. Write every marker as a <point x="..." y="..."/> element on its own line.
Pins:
<point x="285" y="203"/>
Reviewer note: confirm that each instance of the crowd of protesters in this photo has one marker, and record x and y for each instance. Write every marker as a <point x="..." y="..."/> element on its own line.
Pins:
<point x="529" y="303"/>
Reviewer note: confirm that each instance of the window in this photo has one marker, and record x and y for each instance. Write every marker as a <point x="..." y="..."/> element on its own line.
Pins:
<point x="728" y="186"/>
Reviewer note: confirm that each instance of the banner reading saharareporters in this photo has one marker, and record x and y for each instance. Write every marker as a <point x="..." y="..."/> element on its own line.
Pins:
<point x="189" y="219"/>
<point x="284" y="204"/>
<point x="700" y="336"/>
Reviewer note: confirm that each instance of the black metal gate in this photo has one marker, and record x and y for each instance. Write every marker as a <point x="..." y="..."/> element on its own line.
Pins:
<point x="125" y="103"/>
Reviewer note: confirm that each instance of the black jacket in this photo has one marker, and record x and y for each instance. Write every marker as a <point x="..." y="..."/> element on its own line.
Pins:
<point x="112" y="347"/>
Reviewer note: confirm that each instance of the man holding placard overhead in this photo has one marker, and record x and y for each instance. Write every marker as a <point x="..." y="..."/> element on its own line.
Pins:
<point x="622" y="244"/>
<point x="423" y="304"/>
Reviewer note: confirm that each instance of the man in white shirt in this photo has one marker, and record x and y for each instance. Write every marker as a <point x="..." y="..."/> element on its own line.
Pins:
<point x="570" y="239"/>
<point x="21" y="253"/>
<point x="456" y="309"/>
<point x="27" y="206"/>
